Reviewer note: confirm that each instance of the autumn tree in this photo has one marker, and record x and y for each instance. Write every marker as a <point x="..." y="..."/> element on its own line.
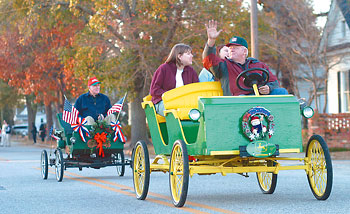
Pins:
<point x="295" y="41"/>
<point x="29" y="59"/>
<point x="9" y="99"/>
<point x="123" y="42"/>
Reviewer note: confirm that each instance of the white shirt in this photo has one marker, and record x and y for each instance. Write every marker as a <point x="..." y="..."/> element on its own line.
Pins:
<point x="178" y="78"/>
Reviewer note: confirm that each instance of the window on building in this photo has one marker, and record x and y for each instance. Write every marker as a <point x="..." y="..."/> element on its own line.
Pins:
<point x="344" y="91"/>
<point x="343" y="28"/>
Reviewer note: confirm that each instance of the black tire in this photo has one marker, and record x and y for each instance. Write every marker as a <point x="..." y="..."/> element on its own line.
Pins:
<point x="179" y="173"/>
<point x="59" y="165"/>
<point x="44" y="165"/>
<point x="141" y="170"/>
<point x="321" y="166"/>
<point x="267" y="181"/>
<point x="120" y="159"/>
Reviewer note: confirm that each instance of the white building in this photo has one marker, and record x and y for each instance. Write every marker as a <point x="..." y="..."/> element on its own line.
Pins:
<point x="21" y="118"/>
<point x="336" y="42"/>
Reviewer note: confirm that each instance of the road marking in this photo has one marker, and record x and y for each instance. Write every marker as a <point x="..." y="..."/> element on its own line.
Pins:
<point x="85" y="180"/>
<point x="81" y="178"/>
<point x="155" y="194"/>
<point x="19" y="161"/>
<point x="3" y="159"/>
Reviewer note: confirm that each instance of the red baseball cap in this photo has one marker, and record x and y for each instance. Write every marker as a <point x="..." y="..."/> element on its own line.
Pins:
<point x="93" y="81"/>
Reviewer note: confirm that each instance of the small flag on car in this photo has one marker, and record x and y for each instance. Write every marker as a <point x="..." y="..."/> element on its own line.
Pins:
<point x="117" y="107"/>
<point x="52" y="135"/>
<point x="70" y="113"/>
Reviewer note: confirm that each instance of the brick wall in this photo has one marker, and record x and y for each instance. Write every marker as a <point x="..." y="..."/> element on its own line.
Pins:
<point x="334" y="128"/>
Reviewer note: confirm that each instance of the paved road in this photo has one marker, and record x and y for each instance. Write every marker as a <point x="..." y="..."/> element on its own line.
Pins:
<point x="101" y="191"/>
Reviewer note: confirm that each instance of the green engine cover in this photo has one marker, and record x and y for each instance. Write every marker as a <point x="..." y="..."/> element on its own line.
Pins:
<point x="223" y="118"/>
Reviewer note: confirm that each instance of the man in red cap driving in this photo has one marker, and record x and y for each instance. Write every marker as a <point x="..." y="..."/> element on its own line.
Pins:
<point x="227" y="70"/>
<point x="93" y="105"/>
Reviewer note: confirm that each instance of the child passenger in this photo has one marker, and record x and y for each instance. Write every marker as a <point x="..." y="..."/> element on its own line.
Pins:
<point x="207" y="76"/>
<point x="175" y="72"/>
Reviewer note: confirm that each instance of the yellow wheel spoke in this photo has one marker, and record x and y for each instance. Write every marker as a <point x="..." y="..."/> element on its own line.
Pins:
<point x="318" y="178"/>
<point x="265" y="180"/>
<point x="139" y="174"/>
<point x="176" y="173"/>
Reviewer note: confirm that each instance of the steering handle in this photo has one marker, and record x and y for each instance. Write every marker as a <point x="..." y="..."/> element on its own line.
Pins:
<point x="252" y="78"/>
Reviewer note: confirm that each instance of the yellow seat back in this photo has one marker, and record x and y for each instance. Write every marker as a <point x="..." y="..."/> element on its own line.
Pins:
<point x="185" y="98"/>
<point x="148" y="100"/>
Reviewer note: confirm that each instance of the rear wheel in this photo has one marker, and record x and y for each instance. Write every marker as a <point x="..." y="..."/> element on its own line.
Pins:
<point x="44" y="165"/>
<point x="141" y="170"/>
<point x="320" y="175"/>
<point x="267" y="182"/>
<point x="59" y="165"/>
<point x="120" y="159"/>
<point x="179" y="173"/>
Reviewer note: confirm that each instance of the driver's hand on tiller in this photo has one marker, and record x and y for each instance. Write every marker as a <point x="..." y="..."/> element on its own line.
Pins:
<point x="265" y="89"/>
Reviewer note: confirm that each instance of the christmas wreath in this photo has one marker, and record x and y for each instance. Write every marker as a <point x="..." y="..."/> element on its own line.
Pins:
<point x="101" y="135"/>
<point x="256" y="116"/>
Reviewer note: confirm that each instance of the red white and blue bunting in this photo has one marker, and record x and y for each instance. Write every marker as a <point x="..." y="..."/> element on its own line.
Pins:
<point x="118" y="133"/>
<point x="81" y="129"/>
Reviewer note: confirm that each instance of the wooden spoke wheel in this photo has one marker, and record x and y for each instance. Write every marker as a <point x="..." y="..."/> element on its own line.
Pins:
<point x="179" y="173"/>
<point x="267" y="182"/>
<point x="44" y="165"/>
<point x="320" y="176"/>
<point x="120" y="160"/>
<point x="141" y="170"/>
<point x="59" y="165"/>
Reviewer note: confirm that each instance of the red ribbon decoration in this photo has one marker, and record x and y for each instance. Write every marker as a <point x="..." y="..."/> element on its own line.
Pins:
<point x="100" y="139"/>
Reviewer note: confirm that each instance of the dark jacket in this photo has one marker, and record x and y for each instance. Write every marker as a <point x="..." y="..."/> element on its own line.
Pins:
<point x="227" y="71"/>
<point x="164" y="79"/>
<point x="88" y="105"/>
<point x="34" y="130"/>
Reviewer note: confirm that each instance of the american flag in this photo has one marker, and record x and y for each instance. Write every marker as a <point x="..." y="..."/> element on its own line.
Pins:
<point x="52" y="135"/>
<point x="117" y="107"/>
<point x="70" y="113"/>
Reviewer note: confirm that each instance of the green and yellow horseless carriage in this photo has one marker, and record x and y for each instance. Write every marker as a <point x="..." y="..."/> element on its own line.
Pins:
<point x="205" y="133"/>
<point x="97" y="151"/>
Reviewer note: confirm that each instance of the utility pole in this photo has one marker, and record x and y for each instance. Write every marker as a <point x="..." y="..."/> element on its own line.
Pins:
<point x="254" y="29"/>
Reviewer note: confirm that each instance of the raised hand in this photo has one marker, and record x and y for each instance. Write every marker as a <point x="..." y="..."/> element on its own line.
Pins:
<point x="212" y="31"/>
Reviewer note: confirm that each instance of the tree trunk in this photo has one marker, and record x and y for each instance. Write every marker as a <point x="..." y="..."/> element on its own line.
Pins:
<point x="31" y="109"/>
<point x="138" y="121"/>
<point x="49" y="122"/>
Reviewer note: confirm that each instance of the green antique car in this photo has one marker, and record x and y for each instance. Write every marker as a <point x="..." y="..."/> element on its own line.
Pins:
<point x="73" y="152"/>
<point x="204" y="132"/>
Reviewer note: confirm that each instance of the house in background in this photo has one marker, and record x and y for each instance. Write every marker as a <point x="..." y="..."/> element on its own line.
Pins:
<point x="21" y="120"/>
<point x="336" y="42"/>
<point x="334" y="127"/>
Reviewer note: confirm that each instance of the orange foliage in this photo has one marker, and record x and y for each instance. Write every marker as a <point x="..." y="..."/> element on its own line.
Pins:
<point x="32" y="65"/>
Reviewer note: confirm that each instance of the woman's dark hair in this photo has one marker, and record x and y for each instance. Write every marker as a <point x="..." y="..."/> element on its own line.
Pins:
<point x="175" y="51"/>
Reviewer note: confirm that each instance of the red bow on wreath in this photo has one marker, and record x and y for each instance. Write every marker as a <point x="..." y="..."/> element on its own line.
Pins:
<point x="100" y="139"/>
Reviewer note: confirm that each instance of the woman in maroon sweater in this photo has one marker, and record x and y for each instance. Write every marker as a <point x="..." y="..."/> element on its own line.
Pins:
<point x="175" y="72"/>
